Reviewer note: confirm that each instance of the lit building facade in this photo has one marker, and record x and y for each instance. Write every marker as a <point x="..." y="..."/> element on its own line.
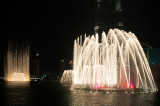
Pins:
<point x="152" y="54"/>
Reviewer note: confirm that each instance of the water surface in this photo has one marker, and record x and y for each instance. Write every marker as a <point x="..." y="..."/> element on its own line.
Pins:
<point x="57" y="94"/>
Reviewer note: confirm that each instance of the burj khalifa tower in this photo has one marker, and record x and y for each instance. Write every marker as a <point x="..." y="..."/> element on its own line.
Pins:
<point x="108" y="14"/>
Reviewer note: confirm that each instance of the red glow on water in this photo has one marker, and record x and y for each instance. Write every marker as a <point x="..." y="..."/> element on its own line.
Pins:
<point x="131" y="86"/>
<point x="98" y="86"/>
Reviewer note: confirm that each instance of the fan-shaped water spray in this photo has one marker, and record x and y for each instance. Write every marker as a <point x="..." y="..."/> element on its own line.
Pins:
<point x="116" y="62"/>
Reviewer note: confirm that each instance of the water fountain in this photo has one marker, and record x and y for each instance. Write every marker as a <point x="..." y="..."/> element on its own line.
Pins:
<point x="67" y="76"/>
<point x="117" y="62"/>
<point x="17" y="62"/>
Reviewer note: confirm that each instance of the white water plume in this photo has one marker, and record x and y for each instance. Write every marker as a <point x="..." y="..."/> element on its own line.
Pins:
<point x="117" y="61"/>
<point x="67" y="76"/>
<point x="17" y="62"/>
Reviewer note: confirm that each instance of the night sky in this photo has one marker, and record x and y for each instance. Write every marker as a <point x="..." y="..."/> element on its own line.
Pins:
<point x="51" y="26"/>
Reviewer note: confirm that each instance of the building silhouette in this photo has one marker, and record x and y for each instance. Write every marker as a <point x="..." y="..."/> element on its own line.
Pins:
<point x="108" y="14"/>
<point x="36" y="61"/>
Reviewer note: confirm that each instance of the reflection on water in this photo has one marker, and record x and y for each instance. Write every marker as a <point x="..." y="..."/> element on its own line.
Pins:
<point x="54" y="93"/>
<point x="17" y="93"/>
<point x="111" y="99"/>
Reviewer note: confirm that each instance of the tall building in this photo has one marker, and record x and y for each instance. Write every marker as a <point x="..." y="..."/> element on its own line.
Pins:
<point x="36" y="64"/>
<point x="152" y="54"/>
<point x="108" y="14"/>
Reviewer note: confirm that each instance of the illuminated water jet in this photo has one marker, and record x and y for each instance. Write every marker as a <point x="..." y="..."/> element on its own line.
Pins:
<point x="117" y="62"/>
<point x="17" y="62"/>
<point x="67" y="76"/>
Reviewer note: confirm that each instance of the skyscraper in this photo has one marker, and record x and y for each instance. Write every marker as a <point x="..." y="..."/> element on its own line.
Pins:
<point x="108" y="14"/>
<point x="36" y="64"/>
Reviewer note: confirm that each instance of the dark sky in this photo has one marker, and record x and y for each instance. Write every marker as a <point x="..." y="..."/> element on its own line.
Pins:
<point x="51" y="26"/>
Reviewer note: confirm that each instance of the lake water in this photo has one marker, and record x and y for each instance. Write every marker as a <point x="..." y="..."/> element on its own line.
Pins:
<point x="53" y="93"/>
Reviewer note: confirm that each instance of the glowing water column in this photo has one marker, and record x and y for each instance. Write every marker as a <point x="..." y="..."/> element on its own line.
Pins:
<point x="67" y="76"/>
<point x="17" y="62"/>
<point x="117" y="61"/>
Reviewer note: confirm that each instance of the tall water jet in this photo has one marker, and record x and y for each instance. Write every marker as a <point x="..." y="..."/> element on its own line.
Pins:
<point x="17" y="61"/>
<point x="117" y="62"/>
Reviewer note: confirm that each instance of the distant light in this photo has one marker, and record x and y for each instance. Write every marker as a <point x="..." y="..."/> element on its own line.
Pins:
<point x="70" y="62"/>
<point x="62" y="60"/>
<point x="96" y="86"/>
<point x="98" y="1"/>
<point x="120" y="24"/>
<point x="37" y="55"/>
<point x="96" y="27"/>
<point x="131" y="86"/>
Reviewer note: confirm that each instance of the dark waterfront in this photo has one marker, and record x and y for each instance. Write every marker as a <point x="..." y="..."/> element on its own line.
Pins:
<point x="56" y="94"/>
